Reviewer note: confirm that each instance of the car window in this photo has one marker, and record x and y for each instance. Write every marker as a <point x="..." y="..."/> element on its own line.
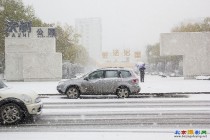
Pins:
<point x="125" y="74"/>
<point x="111" y="74"/>
<point x="96" y="75"/>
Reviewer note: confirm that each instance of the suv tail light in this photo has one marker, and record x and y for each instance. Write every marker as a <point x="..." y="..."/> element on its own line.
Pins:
<point x="135" y="81"/>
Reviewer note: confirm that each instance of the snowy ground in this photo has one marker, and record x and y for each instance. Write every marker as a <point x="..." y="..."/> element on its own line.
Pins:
<point x="145" y="135"/>
<point x="157" y="84"/>
<point x="152" y="84"/>
<point x="87" y="136"/>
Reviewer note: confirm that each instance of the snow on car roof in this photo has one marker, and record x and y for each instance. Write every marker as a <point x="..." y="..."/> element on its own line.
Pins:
<point x="115" y="68"/>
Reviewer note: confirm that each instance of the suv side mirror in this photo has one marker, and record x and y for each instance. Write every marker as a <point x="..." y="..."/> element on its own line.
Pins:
<point x="86" y="78"/>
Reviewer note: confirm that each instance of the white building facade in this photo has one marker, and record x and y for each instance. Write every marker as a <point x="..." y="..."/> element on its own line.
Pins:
<point x="193" y="46"/>
<point x="90" y="30"/>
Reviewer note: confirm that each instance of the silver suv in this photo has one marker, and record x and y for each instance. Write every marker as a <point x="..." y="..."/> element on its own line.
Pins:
<point x="119" y="81"/>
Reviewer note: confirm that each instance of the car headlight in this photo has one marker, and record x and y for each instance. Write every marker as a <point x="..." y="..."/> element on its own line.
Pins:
<point x="37" y="100"/>
<point x="27" y="99"/>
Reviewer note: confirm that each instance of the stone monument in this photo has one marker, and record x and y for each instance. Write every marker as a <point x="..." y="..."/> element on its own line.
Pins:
<point x="30" y="53"/>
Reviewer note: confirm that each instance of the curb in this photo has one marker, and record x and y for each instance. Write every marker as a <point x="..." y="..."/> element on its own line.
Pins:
<point x="160" y="93"/>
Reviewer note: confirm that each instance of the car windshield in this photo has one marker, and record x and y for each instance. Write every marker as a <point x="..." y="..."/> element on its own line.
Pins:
<point x="2" y="85"/>
<point x="84" y="75"/>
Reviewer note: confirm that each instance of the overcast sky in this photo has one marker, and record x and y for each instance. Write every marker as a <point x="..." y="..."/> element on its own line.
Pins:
<point x="125" y="23"/>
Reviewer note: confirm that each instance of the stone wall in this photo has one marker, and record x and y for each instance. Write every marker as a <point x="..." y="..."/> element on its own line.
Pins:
<point x="32" y="57"/>
<point x="195" y="48"/>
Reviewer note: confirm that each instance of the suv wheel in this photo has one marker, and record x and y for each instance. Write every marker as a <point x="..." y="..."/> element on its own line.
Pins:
<point x="72" y="93"/>
<point x="123" y="92"/>
<point x="10" y="114"/>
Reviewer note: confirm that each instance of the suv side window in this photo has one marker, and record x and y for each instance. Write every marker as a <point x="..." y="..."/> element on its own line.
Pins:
<point x="111" y="74"/>
<point x="125" y="74"/>
<point x="96" y="75"/>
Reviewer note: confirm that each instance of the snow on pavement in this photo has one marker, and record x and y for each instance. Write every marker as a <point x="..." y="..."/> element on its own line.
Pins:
<point x="152" y="84"/>
<point x="88" y="136"/>
<point x="157" y="84"/>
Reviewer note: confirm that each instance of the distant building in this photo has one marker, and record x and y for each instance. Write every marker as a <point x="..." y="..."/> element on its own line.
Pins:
<point x="121" y="58"/>
<point x="91" y="36"/>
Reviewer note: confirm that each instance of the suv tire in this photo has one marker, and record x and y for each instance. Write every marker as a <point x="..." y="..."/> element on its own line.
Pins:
<point x="123" y="92"/>
<point x="72" y="93"/>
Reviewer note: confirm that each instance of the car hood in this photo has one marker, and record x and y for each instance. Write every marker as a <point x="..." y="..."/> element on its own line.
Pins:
<point x="71" y="80"/>
<point x="15" y="92"/>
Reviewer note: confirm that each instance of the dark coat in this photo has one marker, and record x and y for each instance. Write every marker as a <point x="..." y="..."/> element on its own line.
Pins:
<point x="142" y="69"/>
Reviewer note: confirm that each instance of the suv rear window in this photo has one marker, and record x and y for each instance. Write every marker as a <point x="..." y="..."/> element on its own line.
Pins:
<point x="125" y="74"/>
<point x="111" y="74"/>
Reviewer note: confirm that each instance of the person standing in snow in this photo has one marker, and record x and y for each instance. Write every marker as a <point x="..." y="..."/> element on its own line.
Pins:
<point x="142" y="73"/>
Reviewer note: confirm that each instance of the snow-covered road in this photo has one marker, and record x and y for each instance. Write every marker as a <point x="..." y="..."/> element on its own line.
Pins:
<point x="62" y="114"/>
<point x="147" y="116"/>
